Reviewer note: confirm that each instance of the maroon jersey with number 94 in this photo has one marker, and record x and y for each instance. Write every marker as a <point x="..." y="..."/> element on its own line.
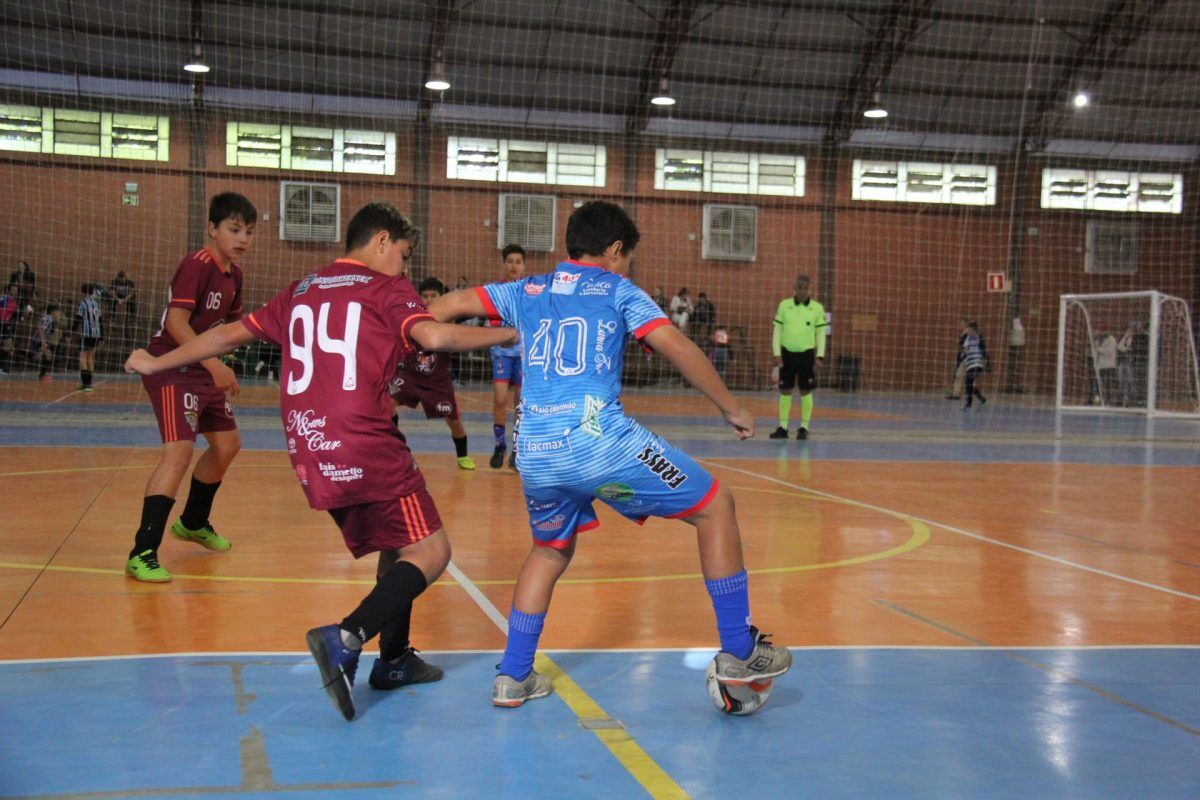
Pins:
<point x="342" y="331"/>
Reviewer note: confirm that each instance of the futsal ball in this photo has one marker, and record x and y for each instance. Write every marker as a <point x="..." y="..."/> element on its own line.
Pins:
<point x="737" y="699"/>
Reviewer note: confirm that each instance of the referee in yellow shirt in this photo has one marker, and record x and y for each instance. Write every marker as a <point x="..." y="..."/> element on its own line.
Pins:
<point x="797" y="342"/>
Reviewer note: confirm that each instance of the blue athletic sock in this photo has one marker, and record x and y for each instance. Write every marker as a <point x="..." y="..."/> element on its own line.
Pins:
<point x="498" y="432"/>
<point x="731" y="602"/>
<point x="524" y="630"/>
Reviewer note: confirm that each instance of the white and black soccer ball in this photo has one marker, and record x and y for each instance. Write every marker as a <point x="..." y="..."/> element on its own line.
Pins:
<point x="738" y="699"/>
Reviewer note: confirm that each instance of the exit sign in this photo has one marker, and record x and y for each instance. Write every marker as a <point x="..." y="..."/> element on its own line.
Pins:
<point x="998" y="282"/>
<point x="129" y="200"/>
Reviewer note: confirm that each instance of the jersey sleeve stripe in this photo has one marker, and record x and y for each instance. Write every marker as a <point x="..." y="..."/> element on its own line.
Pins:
<point x="652" y="325"/>
<point x="181" y="302"/>
<point x="488" y="305"/>
<point x="250" y="320"/>
<point x="700" y="504"/>
<point x="406" y="326"/>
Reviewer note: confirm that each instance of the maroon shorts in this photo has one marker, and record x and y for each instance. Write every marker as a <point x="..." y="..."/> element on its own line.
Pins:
<point x="438" y="401"/>
<point x="387" y="524"/>
<point x="185" y="409"/>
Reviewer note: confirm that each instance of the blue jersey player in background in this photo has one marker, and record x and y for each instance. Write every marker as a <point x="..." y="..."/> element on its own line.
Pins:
<point x="577" y="446"/>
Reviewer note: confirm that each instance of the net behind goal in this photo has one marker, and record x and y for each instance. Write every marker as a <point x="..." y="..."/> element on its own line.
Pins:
<point x="1127" y="351"/>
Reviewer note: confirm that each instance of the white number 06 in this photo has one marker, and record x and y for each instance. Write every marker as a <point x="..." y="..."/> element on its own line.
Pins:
<point x="301" y="347"/>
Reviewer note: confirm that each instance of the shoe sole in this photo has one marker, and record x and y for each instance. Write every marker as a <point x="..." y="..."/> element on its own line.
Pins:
<point x="130" y="573"/>
<point x="520" y="701"/>
<point x="186" y="537"/>
<point x="336" y="685"/>
<point x="758" y="676"/>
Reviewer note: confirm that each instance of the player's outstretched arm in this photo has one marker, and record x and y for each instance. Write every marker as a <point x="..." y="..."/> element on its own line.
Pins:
<point x="697" y="370"/>
<point x="456" y="305"/>
<point x="448" y="338"/>
<point x="213" y="342"/>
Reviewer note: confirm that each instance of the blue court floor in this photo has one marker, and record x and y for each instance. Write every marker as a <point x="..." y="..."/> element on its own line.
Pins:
<point x="845" y="723"/>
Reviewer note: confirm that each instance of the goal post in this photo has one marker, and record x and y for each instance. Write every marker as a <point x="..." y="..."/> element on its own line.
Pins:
<point x="1131" y="352"/>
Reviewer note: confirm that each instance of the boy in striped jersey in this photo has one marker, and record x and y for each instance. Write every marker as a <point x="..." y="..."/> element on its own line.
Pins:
<point x="45" y="341"/>
<point x="205" y="292"/>
<point x="87" y="323"/>
<point x="975" y="359"/>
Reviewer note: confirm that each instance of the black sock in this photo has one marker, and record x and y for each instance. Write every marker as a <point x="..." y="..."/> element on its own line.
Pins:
<point x="155" y="510"/>
<point x="85" y="377"/>
<point x="389" y="605"/>
<point x="199" y="504"/>
<point x="460" y="445"/>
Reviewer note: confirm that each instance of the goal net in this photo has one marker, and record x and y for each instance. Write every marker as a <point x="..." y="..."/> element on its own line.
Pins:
<point x="1127" y="351"/>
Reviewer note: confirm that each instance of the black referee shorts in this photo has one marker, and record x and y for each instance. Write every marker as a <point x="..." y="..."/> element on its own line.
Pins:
<point x="797" y="369"/>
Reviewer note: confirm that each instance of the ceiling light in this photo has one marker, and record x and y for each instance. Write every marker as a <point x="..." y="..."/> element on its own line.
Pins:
<point x="875" y="110"/>
<point x="197" y="64"/>
<point x="437" y="78"/>
<point x="1081" y="100"/>
<point x="663" y="96"/>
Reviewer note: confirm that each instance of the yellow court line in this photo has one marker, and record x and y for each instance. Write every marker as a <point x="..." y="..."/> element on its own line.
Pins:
<point x="653" y="778"/>
<point x="920" y="535"/>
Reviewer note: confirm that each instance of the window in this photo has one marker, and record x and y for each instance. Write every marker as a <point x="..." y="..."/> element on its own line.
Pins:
<point x="1112" y="190"/>
<point x="733" y="173"/>
<point x="95" y="134"/>
<point x="1111" y="248"/>
<point x="527" y="220"/>
<point x="311" y="211"/>
<point x="515" y="161"/>
<point x="730" y="232"/>
<point x="923" y="182"/>
<point x="250" y="144"/>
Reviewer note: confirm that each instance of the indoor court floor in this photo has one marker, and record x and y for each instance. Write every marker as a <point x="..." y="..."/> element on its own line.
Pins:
<point x="997" y="604"/>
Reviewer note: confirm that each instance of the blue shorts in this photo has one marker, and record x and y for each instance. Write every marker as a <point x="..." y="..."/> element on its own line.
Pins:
<point x="634" y="471"/>
<point x="506" y="368"/>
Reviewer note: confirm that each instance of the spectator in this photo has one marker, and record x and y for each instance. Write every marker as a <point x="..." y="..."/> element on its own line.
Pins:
<point x="718" y="351"/>
<point x="1133" y="353"/>
<point x="706" y="316"/>
<point x="9" y="314"/>
<point x="122" y="298"/>
<point x="660" y="298"/>
<point x="681" y="309"/>
<point x="25" y="282"/>
<point x="1105" y="357"/>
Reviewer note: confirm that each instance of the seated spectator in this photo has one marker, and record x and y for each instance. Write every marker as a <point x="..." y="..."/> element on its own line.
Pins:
<point x="681" y="309"/>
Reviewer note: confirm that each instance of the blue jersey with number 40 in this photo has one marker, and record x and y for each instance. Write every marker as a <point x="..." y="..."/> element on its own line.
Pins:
<point x="574" y="323"/>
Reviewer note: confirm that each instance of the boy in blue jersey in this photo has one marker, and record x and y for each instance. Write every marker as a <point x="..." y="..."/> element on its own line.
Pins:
<point x="506" y="371"/>
<point x="577" y="445"/>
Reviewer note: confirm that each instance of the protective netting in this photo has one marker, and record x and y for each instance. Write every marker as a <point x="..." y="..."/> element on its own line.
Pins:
<point x="984" y="195"/>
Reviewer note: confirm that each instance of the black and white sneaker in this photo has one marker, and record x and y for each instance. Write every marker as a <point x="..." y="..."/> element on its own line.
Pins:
<point x="408" y="668"/>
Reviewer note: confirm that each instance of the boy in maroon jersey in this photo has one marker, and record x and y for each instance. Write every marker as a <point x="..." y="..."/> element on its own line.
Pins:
<point x="343" y="330"/>
<point x="424" y="379"/>
<point x="205" y="292"/>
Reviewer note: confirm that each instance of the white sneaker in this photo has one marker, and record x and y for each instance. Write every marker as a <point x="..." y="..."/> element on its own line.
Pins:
<point x="765" y="661"/>
<point x="508" y="692"/>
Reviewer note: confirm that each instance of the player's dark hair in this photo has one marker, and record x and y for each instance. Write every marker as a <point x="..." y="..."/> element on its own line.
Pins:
<point x="379" y="216"/>
<point x="231" y="205"/>
<point x="596" y="225"/>
<point x="509" y="249"/>
<point x="51" y="308"/>
<point x="85" y="288"/>
<point x="431" y="284"/>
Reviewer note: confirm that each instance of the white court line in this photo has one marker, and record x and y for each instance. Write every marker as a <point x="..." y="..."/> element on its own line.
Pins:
<point x="74" y="392"/>
<point x="978" y="536"/>
<point x="479" y="597"/>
